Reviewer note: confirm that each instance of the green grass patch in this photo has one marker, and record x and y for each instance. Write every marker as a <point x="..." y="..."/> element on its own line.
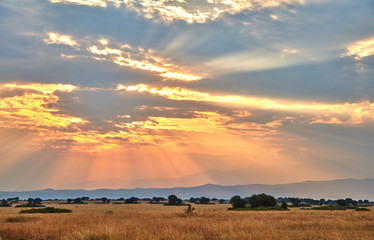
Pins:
<point x="30" y="205"/>
<point x="18" y="219"/>
<point x="276" y="208"/>
<point x="46" y="210"/>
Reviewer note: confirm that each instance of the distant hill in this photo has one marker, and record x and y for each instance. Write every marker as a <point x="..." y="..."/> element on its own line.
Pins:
<point x="333" y="189"/>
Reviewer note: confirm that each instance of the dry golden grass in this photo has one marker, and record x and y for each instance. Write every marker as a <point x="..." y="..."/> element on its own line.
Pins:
<point x="146" y="221"/>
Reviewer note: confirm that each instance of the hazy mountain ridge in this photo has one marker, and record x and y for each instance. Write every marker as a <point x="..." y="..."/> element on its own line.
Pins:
<point x="332" y="189"/>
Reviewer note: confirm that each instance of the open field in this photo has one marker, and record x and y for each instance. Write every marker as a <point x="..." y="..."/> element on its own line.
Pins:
<point x="210" y="222"/>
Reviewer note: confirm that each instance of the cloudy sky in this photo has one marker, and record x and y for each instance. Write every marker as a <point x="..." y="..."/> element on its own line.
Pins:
<point x="146" y="93"/>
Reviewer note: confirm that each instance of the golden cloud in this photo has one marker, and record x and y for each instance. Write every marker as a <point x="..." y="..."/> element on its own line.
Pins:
<point x="32" y="109"/>
<point x="55" y="38"/>
<point x="138" y="58"/>
<point x="100" y="3"/>
<point x="189" y="11"/>
<point x="358" y="112"/>
<point x="128" y="56"/>
<point x="361" y="49"/>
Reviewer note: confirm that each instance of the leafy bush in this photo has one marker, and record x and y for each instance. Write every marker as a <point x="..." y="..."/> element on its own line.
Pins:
<point x="46" y="210"/>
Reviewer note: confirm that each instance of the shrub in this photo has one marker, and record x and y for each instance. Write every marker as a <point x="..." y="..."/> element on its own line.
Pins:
<point x="362" y="209"/>
<point x="4" y="203"/>
<point x="276" y="208"/>
<point x="46" y="210"/>
<point x="284" y="205"/>
<point x="237" y="202"/>
<point x="17" y="219"/>
<point x="262" y="200"/>
<point x="189" y="209"/>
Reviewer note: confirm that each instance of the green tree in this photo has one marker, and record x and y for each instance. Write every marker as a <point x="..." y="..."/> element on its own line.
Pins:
<point x="295" y="201"/>
<point x="284" y="205"/>
<point x="341" y="202"/>
<point x="174" y="200"/>
<point x="237" y="202"/>
<point x="132" y="200"/>
<point x="262" y="200"/>
<point x="204" y="200"/>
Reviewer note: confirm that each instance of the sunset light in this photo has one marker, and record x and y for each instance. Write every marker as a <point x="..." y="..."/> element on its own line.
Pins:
<point x="145" y="93"/>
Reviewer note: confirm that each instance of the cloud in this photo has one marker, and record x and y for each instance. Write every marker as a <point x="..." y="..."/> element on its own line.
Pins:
<point x="358" y="112"/>
<point x="55" y="38"/>
<point x="361" y="49"/>
<point x="188" y="11"/>
<point x="126" y="55"/>
<point x="138" y="58"/>
<point x="100" y="3"/>
<point x="34" y="108"/>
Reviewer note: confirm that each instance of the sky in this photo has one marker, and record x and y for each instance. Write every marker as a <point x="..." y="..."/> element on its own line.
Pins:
<point x="146" y="93"/>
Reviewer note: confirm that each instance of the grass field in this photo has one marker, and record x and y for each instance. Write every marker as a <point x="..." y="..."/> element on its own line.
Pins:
<point x="209" y="222"/>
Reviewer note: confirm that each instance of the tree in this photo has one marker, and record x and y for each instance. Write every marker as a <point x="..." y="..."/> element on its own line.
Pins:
<point x="30" y="200"/>
<point x="38" y="200"/>
<point x="237" y="202"/>
<point x="193" y="200"/>
<point x="78" y="200"/>
<point x="295" y="201"/>
<point x="131" y="200"/>
<point x="69" y="200"/>
<point x="284" y="205"/>
<point x="104" y="199"/>
<point x="341" y="202"/>
<point x="204" y="200"/>
<point x="262" y="200"/>
<point x="4" y="203"/>
<point x="174" y="200"/>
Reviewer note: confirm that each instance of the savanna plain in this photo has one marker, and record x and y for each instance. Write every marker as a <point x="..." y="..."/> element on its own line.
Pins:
<point x="209" y="222"/>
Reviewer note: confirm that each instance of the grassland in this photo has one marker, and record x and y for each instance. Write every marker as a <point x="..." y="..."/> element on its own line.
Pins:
<point x="209" y="222"/>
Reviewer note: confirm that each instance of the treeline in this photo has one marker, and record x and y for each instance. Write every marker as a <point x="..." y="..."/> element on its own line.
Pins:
<point x="174" y="200"/>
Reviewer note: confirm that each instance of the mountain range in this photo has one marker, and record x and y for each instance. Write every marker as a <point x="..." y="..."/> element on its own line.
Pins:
<point x="331" y="189"/>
